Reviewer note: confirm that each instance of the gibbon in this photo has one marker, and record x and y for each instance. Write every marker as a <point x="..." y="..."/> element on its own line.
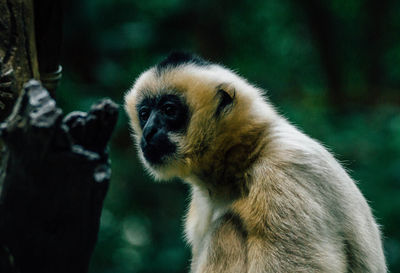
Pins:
<point x="264" y="196"/>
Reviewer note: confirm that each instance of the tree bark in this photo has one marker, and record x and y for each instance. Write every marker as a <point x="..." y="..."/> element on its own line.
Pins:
<point x="18" y="59"/>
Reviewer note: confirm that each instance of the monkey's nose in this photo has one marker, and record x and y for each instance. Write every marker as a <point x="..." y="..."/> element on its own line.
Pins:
<point x="149" y="132"/>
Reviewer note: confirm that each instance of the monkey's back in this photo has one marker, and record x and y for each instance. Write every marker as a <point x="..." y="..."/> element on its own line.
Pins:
<point x="303" y="206"/>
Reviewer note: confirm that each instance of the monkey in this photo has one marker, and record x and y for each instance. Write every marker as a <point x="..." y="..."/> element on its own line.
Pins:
<point x="265" y="197"/>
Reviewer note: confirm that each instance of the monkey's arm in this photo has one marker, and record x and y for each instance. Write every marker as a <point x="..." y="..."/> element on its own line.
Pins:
<point x="226" y="249"/>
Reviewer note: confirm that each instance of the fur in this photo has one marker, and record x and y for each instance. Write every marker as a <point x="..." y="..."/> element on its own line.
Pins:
<point x="265" y="197"/>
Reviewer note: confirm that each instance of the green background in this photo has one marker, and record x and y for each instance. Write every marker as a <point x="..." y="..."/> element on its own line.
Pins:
<point x="331" y="67"/>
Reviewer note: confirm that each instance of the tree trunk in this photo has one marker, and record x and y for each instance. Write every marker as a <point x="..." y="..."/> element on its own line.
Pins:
<point x="18" y="59"/>
<point x="54" y="171"/>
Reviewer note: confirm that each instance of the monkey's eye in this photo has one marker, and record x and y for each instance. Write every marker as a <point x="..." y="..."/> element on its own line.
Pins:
<point x="144" y="113"/>
<point x="170" y="109"/>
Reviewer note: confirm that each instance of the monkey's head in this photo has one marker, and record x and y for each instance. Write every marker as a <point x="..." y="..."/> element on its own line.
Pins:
<point x="192" y="118"/>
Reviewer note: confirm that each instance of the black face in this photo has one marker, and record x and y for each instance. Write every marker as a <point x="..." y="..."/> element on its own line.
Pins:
<point x="158" y="116"/>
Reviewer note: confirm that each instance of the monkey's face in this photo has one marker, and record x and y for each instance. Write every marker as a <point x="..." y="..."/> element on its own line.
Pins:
<point x="161" y="117"/>
<point x="187" y="116"/>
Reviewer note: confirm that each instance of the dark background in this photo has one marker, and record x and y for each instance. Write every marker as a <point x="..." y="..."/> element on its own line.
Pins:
<point x="331" y="67"/>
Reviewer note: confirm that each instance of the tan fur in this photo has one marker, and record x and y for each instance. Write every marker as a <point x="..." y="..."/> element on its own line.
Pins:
<point x="265" y="197"/>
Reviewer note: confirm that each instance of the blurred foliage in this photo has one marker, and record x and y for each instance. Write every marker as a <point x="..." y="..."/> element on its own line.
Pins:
<point x="331" y="67"/>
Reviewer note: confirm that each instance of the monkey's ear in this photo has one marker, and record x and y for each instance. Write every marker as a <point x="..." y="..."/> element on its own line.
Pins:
<point x="226" y="97"/>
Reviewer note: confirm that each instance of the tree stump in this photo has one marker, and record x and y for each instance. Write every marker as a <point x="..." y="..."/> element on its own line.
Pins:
<point x="54" y="178"/>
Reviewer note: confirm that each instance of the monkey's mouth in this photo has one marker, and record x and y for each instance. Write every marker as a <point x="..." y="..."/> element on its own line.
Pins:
<point x="157" y="153"/>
